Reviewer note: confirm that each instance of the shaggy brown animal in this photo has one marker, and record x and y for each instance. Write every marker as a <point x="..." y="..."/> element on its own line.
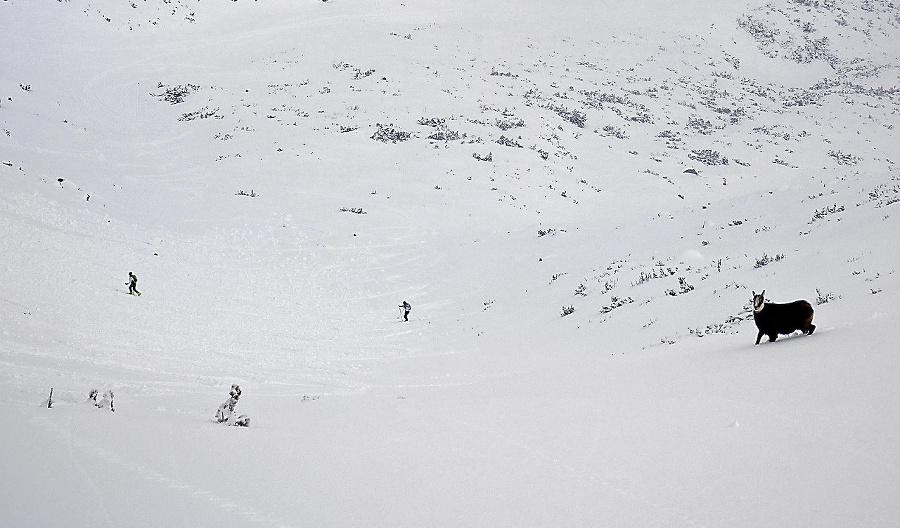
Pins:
<point x="773" y="318"/>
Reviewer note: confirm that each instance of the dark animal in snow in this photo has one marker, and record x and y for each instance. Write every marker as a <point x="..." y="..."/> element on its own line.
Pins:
<point x="774" y="318"/>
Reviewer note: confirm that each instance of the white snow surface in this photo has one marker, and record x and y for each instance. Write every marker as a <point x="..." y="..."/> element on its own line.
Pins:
<point x="281" y="175"/>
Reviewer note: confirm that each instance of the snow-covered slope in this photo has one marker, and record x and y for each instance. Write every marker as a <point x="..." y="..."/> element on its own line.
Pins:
<point x="577" y="202"/>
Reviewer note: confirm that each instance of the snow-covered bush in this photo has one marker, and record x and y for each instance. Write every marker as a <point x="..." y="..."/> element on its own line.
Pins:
<point x="387" y="133"/>
<point x="545" y="232"/>
<point x="226" y="415"/>
<point x="660" y="271"/>
<point x="700" y="125"/>
<point x="822" y="298"/>
<point x="683" y="287"/>
<point x="843" y="159"/>
<point x="763" y="34"/>
<point x="766" y="260"/>
<point x="576" y="117"/>
<point x="613" y="131"/>
<point x="822" y="213"/>
<point x="432" y="121"/>
<point x="708" y="157"/>
<point x="509" y="122"/>
<point x="884" y="195"/>
<point x="507" y="142"/>
<point x="445" y="134"/>
<point x="175" y="94"/>
<point x="203" y="113"/>
<point x="105" y="401"/>
<point x="616" y="302"/>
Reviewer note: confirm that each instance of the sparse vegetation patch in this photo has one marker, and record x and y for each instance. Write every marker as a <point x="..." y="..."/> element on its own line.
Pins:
<point x="175" y="94"/>
<point x="389" y="134"/>
<point x="765" y="260"/>
<point x="203" y="113"/>
<point x="708" y="157"/>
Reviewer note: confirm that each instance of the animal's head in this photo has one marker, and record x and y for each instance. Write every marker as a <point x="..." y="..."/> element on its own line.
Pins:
<point x="758" y="301"/>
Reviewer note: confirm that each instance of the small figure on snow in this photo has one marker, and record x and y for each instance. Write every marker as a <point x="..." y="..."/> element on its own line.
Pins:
<point x="226" y="415"/>
<point x="132" y="284"/>
<point x="105" y="401"/>
<point x="404" y="310"/>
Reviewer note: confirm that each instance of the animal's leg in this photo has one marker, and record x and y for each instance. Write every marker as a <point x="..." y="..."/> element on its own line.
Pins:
<point x="773" y="337"/>
<point x="759" y="336"/>
<point x="808" y="327"/>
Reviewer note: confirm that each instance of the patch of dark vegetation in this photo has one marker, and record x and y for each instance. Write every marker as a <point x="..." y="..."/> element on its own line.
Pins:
<point x="613" y="131"/>
<point x="203" y="113"/>
<point x="765" y="260"/>
<point x="700" y="125"/>
<point x="175" y="94"/>
<point x="389" y="134"/>
<point x="826" y="211"/>
<point x="708" y="157"/>
<point x="495" y="73"/>
<point x="884" y="195"/>
<point x="622" y="106"/>
<point x="507" y="142"/>
<point x="683" y="287"/>
<point x="843" y="159"/>
<point x="616" y="302"/>
<point x="508" y="123"/>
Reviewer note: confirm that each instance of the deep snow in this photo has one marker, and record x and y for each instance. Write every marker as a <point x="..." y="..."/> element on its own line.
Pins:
<point x="282" y="175"/>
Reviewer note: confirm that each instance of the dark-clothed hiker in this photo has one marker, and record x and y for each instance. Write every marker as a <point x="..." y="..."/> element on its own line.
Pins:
<point x="132" y="284"/>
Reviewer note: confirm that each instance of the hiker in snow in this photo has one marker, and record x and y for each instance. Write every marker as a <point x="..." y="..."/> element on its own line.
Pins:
<point x="132" y="284"/>
<point x="405" y="308"/>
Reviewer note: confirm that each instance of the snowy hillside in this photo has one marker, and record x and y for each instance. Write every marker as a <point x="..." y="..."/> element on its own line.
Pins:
<point x="578" y="203"/>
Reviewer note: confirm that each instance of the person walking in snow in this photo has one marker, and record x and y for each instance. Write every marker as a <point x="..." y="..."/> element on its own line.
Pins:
<point x="132" y="284"/>
<point x="405" y="308"/>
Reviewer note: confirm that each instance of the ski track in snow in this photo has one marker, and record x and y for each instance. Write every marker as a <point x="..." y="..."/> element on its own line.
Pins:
<point x="505" y="442"/>
<point x="78" y="447"/>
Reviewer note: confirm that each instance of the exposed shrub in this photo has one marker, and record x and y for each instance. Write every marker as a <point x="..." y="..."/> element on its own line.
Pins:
<point x="225" y="413"/>
<point x="766" y="259"/>
<point x="175" y="94"/>
<point x="708" y="157"/>
<point x="387" y="133"/>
